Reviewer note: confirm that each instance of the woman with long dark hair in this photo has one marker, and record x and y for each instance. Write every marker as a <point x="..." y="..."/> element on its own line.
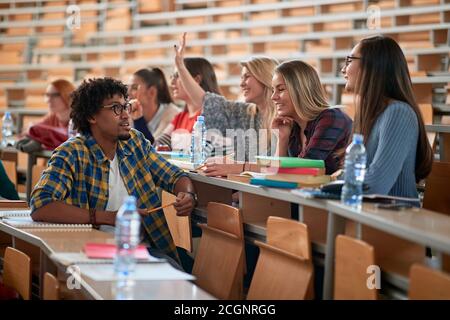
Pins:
<point x="153" y="107"/>
<point x="387" y="115"/>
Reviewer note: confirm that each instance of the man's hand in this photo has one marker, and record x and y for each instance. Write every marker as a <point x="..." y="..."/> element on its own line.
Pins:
<point x="184" y="203"/>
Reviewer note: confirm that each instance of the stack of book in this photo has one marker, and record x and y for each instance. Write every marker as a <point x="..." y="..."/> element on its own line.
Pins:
<point x="289" y="172"/>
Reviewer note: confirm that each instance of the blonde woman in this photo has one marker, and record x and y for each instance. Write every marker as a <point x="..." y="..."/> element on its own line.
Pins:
<point x="307" y="126"/>
<point x="256" y="112"/>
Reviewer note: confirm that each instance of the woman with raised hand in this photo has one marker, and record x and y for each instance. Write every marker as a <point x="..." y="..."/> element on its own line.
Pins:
<point x="256" y="112"/>
<point x="178" y="134"/>
<point x="387" y="115"/>
<point x="308" y="127"/>
<point x="152" y="105"/>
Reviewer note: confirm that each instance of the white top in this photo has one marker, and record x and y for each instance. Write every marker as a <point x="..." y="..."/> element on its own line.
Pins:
<point x="117" y="190"/>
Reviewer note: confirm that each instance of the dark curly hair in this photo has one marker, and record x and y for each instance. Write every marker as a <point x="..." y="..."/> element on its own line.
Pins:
<point x="88" y="98"/>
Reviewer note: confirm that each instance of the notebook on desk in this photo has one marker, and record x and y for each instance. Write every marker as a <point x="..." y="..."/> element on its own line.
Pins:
<point x="27" y="222"/>
<point x="108" y="251"/>
<point x="15" y="213"/>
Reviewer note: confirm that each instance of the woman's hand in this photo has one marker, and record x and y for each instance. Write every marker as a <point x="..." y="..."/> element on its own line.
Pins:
<point x="179" y="51"/>
<point x="283" y="125"/>
<point x="222" y="169"/>
<point x="136" y="109"/>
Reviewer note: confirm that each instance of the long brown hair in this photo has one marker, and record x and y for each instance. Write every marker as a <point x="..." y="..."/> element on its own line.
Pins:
<point x="155" y="77"/>
<point x="305" y="89"/>
<point x="384" y="76"/>
<point x="262" y="69"/>
<point x="198" y="66"/>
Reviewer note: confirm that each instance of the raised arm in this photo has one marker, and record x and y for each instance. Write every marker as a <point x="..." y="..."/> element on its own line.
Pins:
<point x="192" y="88"/>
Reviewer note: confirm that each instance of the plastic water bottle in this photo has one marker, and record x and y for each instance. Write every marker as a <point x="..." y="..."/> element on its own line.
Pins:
<point x="7" y="130"/>
<point x="355" y="169"/>
<point x="71" y="132"/>
<point x="198" y="142"/>
<point x="127" y="231"/>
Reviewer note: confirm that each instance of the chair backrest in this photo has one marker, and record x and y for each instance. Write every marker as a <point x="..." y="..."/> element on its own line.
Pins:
<point x="437" y="196"/>
<point x="284" y="270"/>
<point x="36" y="174"/>
<point x="179" y="227"/>
<point x="219" y="263"/>
<point x="428" y="284"/>
<point x="51" y="287"/>
<point x="17" y="272"/>
<point x="352" y="260"/>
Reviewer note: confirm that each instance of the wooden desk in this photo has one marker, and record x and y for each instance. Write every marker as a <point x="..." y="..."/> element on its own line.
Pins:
<point x="52" y="242"/>
<point x="421" y="226"/>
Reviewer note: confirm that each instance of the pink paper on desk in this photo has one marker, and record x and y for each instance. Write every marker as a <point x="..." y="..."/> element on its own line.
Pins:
<point x="108" y="251"/>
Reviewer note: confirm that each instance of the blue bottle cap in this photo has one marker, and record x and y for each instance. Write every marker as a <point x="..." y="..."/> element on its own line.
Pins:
<point x="358" y="138"/>
<point x="201" y="118"/>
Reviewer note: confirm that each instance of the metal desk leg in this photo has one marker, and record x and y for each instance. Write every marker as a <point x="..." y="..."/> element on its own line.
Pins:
<point x="30" y="164"/>
<point x="336" y="225"/>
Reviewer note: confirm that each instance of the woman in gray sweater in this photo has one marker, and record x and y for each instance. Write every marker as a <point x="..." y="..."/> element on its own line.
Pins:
<point x="398" y="151"/>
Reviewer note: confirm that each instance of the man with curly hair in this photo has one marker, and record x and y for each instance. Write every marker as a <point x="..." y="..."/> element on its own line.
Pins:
<point x="88" y="176"/>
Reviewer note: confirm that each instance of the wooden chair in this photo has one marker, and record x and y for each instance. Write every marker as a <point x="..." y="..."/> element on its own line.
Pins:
<point x="51" y="287"/>
<point x="17" y="272"/>
<point x="437" y="197"/>
<point x="284" y="269"/>
<point x="428" y="284"/>
<point x="36" y="174"/>
<point x="393" y="254"/>
<point x="180" y="227"/>
<point x="219" y="264"/>
<point x="352" y="258"/>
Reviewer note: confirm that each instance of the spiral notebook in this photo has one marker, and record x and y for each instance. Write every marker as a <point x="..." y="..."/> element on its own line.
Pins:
<point x="28" y="223"/>
<point x="15" y="213"/>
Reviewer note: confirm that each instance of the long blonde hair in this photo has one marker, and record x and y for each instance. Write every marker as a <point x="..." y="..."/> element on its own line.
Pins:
<point x="262" y="68"/>
<point x="305" y="89"/>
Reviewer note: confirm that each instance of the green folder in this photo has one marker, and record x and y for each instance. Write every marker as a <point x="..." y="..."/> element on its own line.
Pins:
<point x="289" y="162"/>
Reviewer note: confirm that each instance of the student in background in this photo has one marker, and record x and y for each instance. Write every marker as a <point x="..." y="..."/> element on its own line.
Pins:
<point x="307" y="126"/>
<point x="52" y="129"/>
<point x="178" y="134"/>
<point x="7" y="189"/>
<point x="88" y="176"/>
<point x="387" y="115"/>
<point x="58" y="99"/>
<point x="256" y="112"/>
<point x="153" y="108"/>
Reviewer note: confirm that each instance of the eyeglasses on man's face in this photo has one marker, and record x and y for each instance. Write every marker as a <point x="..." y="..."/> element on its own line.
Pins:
<point x="118" y="108"/>
<point x="349" y="59"/>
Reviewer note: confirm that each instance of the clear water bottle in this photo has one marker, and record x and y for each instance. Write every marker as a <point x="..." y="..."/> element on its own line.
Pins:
<point x="7" y="130"/>
<point x="71" y="132"/>
<point x="198" y="142"/>
<point x="355" y="169"/>
<point x="128" y="223"/>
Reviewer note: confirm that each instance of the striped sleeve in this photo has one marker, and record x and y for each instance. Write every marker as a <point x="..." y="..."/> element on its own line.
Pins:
<point x="55" y="183"/>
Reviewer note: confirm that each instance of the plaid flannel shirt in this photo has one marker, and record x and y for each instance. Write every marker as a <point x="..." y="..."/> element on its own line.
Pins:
<point x="328" y="133"/>
<point x="78" y="174"/>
